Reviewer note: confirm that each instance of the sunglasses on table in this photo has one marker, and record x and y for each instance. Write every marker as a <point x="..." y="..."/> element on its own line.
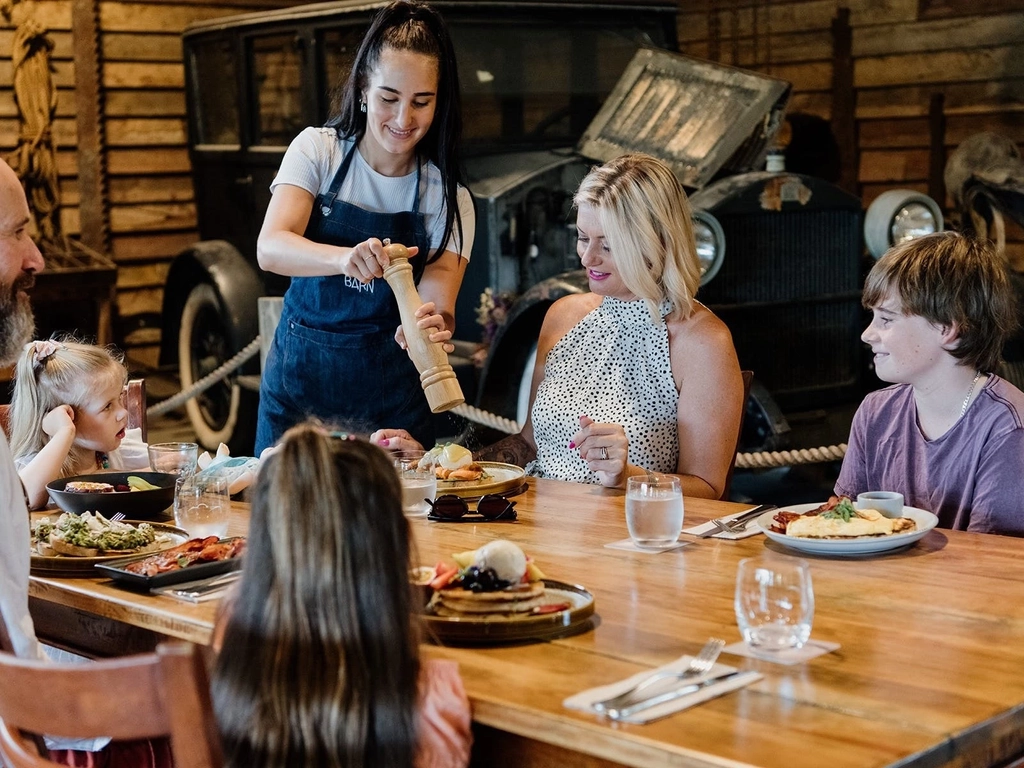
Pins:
<point x="491" y="507"/>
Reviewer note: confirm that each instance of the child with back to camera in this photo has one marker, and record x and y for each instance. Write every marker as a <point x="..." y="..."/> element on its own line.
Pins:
<point x="949" y="433"/>
<point x="319" y="657"/>
<point x="68" y="415"/>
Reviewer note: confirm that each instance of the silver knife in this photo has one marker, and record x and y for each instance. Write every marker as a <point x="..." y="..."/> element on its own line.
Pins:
<point x="197" y="588"/>
<point x="675" y="693"/>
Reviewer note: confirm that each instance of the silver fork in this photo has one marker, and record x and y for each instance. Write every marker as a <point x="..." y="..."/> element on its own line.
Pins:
<point x="117" y="517"/>
<point x="699" y="665"/>
<point x="739" y="523"/>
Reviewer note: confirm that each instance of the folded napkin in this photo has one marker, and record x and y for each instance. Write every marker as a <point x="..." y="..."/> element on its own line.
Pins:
<point x="750" y="529"/>
<point x="585" y="699"/>
<point x="790" y="656"/>
<point x="630" y="546"/>
<point x="239" y="471"/>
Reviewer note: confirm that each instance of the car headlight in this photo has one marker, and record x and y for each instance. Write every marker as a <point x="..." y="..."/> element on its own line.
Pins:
<point x="897" y="216"/>
<point x="710" y="245"/>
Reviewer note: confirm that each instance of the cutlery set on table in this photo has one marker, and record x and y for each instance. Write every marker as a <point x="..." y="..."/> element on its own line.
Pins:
<point x="652" y="695"/>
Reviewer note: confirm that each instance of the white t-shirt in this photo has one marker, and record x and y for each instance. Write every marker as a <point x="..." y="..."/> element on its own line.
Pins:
<point x="131" y="454"/>
<point x="315" y="155"/>
<point x="15" y="545"/>
<point x="15" y="551"/>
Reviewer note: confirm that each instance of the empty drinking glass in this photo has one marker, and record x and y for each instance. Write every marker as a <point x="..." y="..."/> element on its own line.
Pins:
<point x="202" y="505"/>
<point x="173" y="458"/>
<point x="654" y="510"/>
<point x="417" y="484"/>
<point x="774" y="602"/>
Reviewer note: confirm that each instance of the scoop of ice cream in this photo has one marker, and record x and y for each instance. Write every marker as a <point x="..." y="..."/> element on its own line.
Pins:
<point x="505" y="558"/>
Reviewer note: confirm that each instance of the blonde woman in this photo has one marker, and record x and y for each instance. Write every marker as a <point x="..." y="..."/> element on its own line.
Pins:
<point x="635" y="376"/>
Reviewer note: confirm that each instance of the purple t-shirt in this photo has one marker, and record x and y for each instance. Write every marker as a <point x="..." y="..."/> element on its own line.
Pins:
<point x="972" y="477"/>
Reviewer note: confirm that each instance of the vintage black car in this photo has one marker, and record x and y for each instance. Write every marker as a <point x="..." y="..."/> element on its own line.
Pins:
<point x="549" y="88"/>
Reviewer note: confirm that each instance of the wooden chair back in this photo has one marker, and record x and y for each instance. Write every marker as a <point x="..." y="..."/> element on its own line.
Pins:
<point x="748" y="379"/>
<point x="135" y="402"/>
<point x="161" y="694"/>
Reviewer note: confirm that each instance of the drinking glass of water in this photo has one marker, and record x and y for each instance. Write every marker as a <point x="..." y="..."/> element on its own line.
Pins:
<point x="417" y="484"/>
<point x="202" y="505"/>
<point x="654" y="510"/>
<point x="173" y="458"/>
<point x="774" y="602"/>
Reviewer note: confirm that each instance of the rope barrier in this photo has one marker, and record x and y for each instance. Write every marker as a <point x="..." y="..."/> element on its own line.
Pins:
<point x="755" y="460"/>
<point x="206" y="382"/>
<point x="488" y="419"/>
<point x="769" y="459"/>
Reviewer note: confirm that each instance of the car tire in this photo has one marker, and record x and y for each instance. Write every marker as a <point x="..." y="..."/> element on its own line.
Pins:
<point x="226" y="412"/>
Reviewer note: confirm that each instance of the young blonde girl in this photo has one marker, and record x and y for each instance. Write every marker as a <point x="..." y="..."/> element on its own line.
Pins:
<point x="68" y="415"/>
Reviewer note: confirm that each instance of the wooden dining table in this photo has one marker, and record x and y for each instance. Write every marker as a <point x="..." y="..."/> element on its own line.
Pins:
<point x="929" y="669"/>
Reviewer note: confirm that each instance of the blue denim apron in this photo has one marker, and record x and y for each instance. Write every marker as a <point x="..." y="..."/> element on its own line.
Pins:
<point x="334" y="354"/>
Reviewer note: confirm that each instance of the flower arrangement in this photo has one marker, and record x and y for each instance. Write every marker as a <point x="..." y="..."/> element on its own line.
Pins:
<point x="491" y="314"/>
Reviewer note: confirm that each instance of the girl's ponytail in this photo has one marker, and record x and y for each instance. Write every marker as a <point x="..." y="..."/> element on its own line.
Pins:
<point x="26" y="415"/>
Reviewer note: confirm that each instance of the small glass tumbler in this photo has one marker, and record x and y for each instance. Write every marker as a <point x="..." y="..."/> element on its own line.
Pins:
<point x="774" y="602"/>
<point x="173" y="458"/>
<point x="654" y="510"/>
<point x="202" y="505"/>
<point x="417" y="484"/>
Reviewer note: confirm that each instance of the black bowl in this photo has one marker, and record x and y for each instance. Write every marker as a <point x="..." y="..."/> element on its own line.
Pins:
<point x="135" y="505"/>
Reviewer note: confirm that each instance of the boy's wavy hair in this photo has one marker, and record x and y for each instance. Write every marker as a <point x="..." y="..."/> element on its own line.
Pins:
<point x="952" y="281"/>
<point x="59" y="371"/>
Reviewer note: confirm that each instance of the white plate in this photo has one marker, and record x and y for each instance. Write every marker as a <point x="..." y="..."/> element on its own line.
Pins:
<point x="843" y="547"/>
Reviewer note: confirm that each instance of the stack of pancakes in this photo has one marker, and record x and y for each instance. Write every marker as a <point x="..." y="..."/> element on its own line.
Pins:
<point x="519" y="598"/>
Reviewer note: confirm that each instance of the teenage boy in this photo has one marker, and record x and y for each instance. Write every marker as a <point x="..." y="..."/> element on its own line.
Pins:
<point x="949" y="433"/>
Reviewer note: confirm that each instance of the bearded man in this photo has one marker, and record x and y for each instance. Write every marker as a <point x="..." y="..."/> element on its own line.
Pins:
<point x="19" y="261"/>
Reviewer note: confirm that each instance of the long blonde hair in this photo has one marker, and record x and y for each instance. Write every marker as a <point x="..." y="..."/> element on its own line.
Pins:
<point x="648" y="226"/>
<point x="320" y="658"/>
<point x="51" y="373"/>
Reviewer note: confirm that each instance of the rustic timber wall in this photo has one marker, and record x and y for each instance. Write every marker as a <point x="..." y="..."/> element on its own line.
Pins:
<point x="149" y="194"/>
<point x="960" y="60"/>
<point x="905" y="54"/>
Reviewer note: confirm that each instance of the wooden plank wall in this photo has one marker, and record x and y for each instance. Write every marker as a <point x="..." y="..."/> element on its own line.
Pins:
<point x="150" y="198"/>
<point x="904" y="51"/>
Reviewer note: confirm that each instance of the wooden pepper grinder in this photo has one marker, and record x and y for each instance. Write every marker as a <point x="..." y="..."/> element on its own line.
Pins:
<point x="436" y="374"/>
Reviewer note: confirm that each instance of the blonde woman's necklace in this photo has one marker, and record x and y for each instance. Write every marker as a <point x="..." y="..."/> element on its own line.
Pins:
<point x="967" y="400"/>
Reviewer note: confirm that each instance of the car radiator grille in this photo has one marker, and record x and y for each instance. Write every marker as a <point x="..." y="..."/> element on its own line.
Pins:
<point x="789" y="290"/>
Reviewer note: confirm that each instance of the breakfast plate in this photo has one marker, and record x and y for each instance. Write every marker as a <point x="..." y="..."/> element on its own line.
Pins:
<point x="115" y="569"/>
<point x="482" y="629"/>
<point x="65" y="565"/>
<point x="497" y="478"/>
<point x="866" y="545"/>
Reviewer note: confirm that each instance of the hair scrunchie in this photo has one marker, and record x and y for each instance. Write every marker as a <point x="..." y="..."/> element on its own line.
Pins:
<point x="42" y="350"/>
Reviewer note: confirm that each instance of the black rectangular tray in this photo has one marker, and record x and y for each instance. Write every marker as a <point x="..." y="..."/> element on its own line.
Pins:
<point x="115" y="570"/>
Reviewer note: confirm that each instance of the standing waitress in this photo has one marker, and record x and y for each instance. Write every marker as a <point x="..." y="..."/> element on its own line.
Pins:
<point x="384" y="167"/>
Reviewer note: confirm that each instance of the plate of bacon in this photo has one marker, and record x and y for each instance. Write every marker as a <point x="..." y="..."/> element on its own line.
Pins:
<point x="196" y="559"/>
<point x="839" y="529"/>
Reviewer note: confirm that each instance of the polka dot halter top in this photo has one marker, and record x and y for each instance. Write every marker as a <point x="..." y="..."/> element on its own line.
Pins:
<point x="614" y="367"/>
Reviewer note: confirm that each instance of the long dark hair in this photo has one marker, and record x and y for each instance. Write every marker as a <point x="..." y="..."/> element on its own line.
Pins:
<point x="412" y="26"/>
<point x="319" y="663"/>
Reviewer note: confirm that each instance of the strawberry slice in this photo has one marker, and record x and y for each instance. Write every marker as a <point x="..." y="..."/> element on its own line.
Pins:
<point x="444" y="574"/>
